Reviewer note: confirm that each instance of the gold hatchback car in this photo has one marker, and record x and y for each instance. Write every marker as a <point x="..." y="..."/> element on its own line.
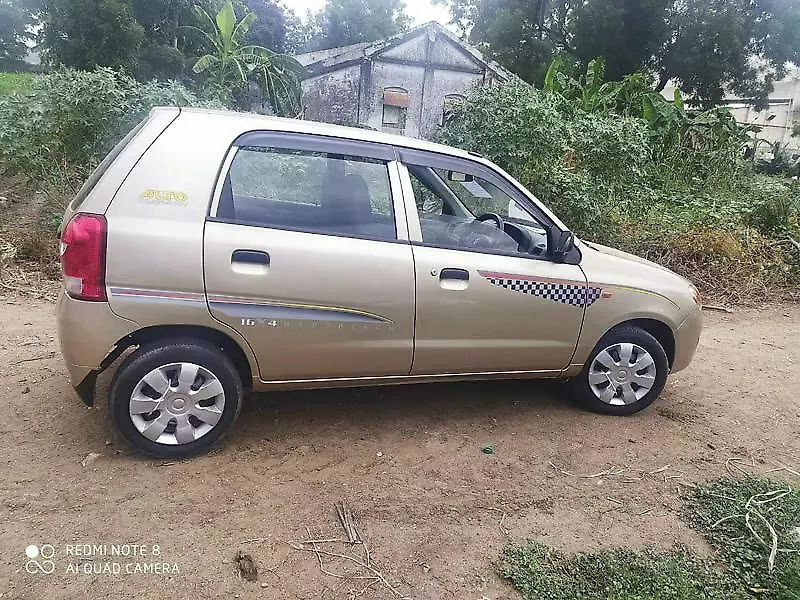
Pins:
<point x="232" y="252"/>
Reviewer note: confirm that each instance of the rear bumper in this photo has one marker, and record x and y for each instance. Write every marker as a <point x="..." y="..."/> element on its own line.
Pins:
<point x="87" y="334"/>
<point x="686" y="340"/>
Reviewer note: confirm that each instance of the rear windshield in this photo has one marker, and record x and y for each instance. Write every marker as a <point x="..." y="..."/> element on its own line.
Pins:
<point x="104" y="165"/>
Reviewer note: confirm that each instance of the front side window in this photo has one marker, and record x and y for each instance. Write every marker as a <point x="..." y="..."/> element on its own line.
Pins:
<point x="461" y="211"/>
<point x="309" y="191"/>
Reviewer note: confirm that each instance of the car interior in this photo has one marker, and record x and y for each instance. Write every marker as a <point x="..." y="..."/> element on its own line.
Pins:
<point x="475" y="220"/>
<point x="342" y="204"/>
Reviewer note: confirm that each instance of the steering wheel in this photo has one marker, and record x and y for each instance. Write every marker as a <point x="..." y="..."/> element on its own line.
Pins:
<point x="522" y="237"/>
<point x="498" y="220"/>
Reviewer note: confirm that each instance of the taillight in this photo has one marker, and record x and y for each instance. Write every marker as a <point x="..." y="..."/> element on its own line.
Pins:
<point x="83" y="257"/>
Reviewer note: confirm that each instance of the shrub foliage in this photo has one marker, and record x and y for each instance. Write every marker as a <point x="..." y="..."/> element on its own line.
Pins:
<point x="623" y="166"/>
<point x="62" y="126"/>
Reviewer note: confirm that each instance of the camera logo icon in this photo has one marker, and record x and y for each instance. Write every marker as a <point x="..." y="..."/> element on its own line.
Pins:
<point x="39" y="559"/>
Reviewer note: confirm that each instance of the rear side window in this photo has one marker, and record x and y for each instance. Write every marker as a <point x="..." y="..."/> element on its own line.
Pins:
<point x="104" y="165"/>
<point x="309" y="191"/>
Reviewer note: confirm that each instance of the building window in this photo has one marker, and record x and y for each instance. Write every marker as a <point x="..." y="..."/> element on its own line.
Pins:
<point x="452" y="103"/>
<point x="395" y="107"/>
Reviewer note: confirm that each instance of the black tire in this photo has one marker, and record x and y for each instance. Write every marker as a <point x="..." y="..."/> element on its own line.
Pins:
<point x="155" y="355"/>
<point x="581" y="391"/>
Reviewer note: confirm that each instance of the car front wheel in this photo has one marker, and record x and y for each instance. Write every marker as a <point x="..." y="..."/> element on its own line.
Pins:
<point x="624" y="374"/>
<point x="175" y="398"/>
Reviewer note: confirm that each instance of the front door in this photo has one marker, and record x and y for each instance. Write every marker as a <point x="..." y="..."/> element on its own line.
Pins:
<point x="489" y="299"/>
<point x="304" y="257"/>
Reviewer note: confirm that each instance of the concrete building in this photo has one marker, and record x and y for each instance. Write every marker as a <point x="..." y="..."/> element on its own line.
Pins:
<point x="404" y="84"/>
<point x="777" y="119"/>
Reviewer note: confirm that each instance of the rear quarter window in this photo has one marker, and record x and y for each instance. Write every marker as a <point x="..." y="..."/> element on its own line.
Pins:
<point x="98" y="172"/>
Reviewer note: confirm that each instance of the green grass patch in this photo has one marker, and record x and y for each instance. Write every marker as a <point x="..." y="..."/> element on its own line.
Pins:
<point x="737" y="517"/>
<point x="14" y="82"/>
<point x="537" y="571"/>
<point x="755" y="525"/>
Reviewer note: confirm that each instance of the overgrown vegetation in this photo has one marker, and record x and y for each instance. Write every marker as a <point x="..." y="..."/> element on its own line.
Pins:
<point x="57" y="142"/>
<point x="737" y="517"/>
<point x="625" y="167"/>
<point x="231" y="65"/>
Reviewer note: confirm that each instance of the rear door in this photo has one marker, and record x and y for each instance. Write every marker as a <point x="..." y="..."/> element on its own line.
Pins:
<point x="488" y="299"/>
<point x="306" y="254"/>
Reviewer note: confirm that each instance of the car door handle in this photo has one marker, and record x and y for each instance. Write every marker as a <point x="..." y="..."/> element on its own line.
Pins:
<point x="457" y="274"/>
<point x="253" y="257"/>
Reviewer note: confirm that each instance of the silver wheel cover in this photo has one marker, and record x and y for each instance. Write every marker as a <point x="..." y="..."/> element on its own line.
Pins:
<point x="177" y="403"/>
<point x="622" y="374"/>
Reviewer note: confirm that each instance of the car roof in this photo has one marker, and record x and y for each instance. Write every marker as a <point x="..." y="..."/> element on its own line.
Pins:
<point x="243" y="122"/>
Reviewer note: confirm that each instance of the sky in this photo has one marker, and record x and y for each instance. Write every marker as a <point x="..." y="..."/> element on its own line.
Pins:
<point x="420" y="11"/>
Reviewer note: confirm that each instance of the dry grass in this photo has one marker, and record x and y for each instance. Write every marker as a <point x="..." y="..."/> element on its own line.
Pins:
<point x="745" y="269"/>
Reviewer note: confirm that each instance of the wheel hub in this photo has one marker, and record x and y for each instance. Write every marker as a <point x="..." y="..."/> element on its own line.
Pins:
<point x="177" y="405"/>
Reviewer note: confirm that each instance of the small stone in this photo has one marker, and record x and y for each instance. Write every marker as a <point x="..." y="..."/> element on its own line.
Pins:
<point x="379" y="454"/>
<point x="27" y="390"/>
<point x="108" y="442"/>
<point x="264" y="585"/>
<point x="90" y="458"/>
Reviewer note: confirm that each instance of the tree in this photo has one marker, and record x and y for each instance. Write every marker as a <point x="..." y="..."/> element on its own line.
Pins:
<point x="231" y="64"/>
<point x="345" y="22"/>
<point x="523" y="35"/>
<point x="162" y="20"/>
<point x="707" y="46"/>
<point x="162" y="54"/>
<point x="16" y="16"/>
<point x="269" y="28"/>
<point x="742" y="45"/>
<point x="87" y="33"/>
<point x="627" y="33"/>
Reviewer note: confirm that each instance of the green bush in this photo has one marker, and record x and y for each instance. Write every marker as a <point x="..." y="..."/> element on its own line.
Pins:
<point x="65" y="123"/>
<point x="668" y="185"/>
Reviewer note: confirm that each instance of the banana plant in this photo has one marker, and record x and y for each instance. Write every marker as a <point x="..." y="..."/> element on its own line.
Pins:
<point x="231" y="64"/>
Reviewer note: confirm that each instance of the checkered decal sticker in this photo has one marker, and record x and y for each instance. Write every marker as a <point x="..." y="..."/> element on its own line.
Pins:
<point x="574" y="294"/>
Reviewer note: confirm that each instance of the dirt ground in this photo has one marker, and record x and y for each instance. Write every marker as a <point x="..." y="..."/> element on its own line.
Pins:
<point x="434" y="509"/>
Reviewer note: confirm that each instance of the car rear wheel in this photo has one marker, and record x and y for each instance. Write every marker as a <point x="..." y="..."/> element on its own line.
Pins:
<point x="624" y="374"/>
<point x="175" y="398"/>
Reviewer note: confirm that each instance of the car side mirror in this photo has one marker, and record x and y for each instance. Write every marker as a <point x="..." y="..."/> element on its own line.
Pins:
<point x="563" y="244"/>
